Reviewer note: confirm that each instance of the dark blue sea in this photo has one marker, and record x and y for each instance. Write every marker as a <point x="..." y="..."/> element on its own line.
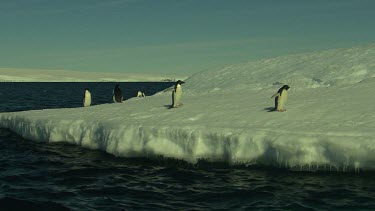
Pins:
<point x="58" y="176"/>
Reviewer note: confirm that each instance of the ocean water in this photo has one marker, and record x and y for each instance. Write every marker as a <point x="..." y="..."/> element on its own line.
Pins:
<point x="58" y="176"/>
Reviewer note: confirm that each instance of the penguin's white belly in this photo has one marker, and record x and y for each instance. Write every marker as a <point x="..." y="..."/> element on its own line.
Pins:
<point x="282" y="100"/>
<point x="114" y="99"/>
<point x="139" y="94"/>
<point x="177" y="96"/>
<point x="87" y="100"/>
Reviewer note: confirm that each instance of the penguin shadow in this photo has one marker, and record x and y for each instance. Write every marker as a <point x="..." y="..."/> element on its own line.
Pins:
<point x="270" y="109"/>
<point x="171" y="106"/>
<point x="168" y="106"/>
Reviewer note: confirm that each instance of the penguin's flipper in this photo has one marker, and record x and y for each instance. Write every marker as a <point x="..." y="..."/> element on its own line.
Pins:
<point x="275" y="95"/>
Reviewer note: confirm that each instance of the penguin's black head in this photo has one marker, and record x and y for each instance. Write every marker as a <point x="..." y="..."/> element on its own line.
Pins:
<point x="117" y="85"/>
<point x="179" y="82"/>
<point x="86" y="89"/>
<point x="286" y="87"/>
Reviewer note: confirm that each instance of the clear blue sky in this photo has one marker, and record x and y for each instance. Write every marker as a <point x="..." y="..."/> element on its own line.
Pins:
<point x="173" y="36"/>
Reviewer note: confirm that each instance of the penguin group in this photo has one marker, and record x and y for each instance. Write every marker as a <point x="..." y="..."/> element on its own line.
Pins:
<point x="116" y="96"/>
<point x="280" y="97"/>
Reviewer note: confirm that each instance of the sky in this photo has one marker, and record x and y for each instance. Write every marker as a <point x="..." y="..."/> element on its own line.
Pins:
<point x="173" y="36"/>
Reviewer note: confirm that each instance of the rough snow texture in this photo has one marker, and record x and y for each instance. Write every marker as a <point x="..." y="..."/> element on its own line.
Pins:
<point x="310" y="70"/>
<point x="37" y="75"/>
<point x="329" y="123"/>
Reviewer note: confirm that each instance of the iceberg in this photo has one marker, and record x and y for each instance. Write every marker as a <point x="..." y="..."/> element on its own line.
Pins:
<point x="329" y="123"/>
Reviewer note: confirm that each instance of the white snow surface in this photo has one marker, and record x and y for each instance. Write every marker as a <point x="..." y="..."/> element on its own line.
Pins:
<point x="329" y="123"/>
<point x="328" y="68"/>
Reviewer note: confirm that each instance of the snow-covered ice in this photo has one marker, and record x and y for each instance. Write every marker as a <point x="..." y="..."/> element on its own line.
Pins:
<point x="329" y="123"/>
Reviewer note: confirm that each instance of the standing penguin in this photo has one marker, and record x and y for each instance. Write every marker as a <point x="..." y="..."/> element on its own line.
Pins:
<point x="86" y="98"/>
<point x="280" y="98"/>
<point x="140" y="94"/>
<point x="176" y="94"/>
<point x="117" y="94"/>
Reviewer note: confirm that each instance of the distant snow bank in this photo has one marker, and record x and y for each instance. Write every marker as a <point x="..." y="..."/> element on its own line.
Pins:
<point x="39" y="75"/>
<point x="224" y="117"/>
<point x="309" y="70"/>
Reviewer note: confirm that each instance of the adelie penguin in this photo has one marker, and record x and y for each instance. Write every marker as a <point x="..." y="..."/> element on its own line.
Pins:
<point x="176" y="94"/>
<point x="280" y="98"/>
<point x="86" y="98"/>
<point x="117" y="94"/>
<point x="140" y="94"/>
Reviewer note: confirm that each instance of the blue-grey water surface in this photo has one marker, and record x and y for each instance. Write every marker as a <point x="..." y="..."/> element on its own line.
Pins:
<point x="58" y="176"/>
